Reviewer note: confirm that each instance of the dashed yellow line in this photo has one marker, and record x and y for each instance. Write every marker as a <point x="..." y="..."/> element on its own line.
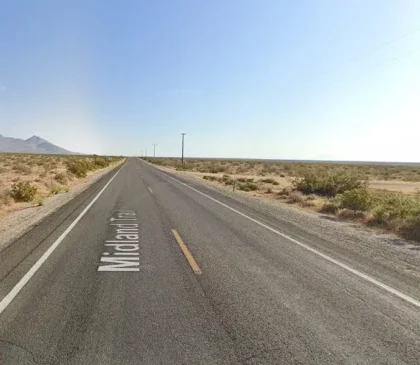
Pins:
<point x="187" y="253"/>
<point x="150" y="189"/>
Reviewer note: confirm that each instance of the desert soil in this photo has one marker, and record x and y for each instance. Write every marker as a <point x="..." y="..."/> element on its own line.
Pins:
<point x="22" y="217"/>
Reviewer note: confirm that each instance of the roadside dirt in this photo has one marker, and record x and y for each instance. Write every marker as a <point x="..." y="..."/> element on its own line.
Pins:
<point x="403" y="186"/>
<point x="14" y="223"/>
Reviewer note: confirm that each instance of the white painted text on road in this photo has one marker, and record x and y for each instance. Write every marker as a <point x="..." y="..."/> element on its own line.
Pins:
<point x="122" y="252"/>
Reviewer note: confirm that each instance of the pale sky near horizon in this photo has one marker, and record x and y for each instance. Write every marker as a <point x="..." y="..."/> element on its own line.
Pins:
<point x="325" y="79"/>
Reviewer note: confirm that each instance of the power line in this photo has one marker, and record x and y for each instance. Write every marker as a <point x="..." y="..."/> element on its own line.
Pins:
<point x="400" y="37"/>
<point x="402" y="55"/>
<point x="384" y="44"/>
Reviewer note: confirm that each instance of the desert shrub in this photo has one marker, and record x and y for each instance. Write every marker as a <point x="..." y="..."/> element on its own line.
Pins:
<point x="411" y="229"/>
<point x="252" y="186"/>
<point x="215" y="168"/>
<point x="393" y="208"/>
<point x="269" y="191"/>
<point x="156" y="161"/>
<point x="184" y="167"/>
<point x="210" y="178"/>
<point x="38" y="200"/>
<point x="295" y="197"/>
<point x="241" y="170"/>
<point x="248" y="186"/>
<point x="325" y="182"/>
<point x="244" y="187"/>
<point x="357" y="200"/>
<point x="282" y="175"/>
<point x="241" y="179"/>
<point x="201" y="168"/>
<point x="285" y="191"/>
<point x="350" y="214"/>
<point x="332" y="205"/>
<point x="307" y="203"/>
<point x="56" y="189"/>
<point x="268" y="181"/>
<point x="26" y="170"/>
<point x="23" y="192"/>
<point x="101" y="162"/>
<point x="61" y="178"/>
<point x="79" y="168"/>
<point x="47" y="166"/>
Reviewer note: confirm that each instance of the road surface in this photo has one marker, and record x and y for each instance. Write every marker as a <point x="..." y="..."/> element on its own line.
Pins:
<point x="146" y="268"/>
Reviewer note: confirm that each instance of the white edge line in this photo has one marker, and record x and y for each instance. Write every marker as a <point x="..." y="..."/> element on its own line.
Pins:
<point x="360" y="274"/>
<point x="22" y="282"/>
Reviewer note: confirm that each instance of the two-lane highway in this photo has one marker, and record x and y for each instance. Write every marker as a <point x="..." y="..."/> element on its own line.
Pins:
<point x="156" y="271"/>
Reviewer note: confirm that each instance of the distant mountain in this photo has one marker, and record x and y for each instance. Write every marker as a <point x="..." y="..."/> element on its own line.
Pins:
<point x="35" y="140"/>
<point x="34" y="144"/>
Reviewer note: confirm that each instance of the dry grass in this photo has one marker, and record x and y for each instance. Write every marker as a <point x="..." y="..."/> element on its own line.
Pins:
<point x="381" y="171"/>
<point x="405" y="178"/>
<point x="47" y="174"/>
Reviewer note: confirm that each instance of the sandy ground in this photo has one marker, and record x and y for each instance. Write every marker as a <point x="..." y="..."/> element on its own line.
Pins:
<point x="393" y="185"/>
<point x="14" y="224"/>
<point x="404" y="186"/>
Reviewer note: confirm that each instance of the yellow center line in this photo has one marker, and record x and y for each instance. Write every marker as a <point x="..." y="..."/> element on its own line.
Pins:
<point x="187" y="253"/>
<point x="150" y="189"/>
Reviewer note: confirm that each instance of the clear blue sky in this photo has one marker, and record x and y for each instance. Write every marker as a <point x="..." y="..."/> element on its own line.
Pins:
<point x="336" y="79"/>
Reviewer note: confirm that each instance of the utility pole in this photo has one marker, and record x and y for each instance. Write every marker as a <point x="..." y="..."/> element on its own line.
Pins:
<point x="182" y="158"/>
<point x="141" y="153"/>
<point x="154" y="150"/>
<point x="146" y="152"/>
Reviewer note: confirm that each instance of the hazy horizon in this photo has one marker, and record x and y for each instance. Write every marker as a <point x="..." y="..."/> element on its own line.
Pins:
<point x="250" y="158"/>
<point x="273" y="80"/>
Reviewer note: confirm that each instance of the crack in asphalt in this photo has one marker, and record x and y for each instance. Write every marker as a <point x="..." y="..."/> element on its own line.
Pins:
<point x="245" y="360"/>
<point x="24" y="349"/>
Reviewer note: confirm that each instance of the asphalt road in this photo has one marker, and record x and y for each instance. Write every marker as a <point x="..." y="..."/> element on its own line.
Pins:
<point x="111" y="285"/>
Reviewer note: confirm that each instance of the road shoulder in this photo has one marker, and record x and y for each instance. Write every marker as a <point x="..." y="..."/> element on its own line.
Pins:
<point x="16" y="224"/>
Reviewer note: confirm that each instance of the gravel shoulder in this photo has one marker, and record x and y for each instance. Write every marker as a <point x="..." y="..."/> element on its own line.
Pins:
<point x="387" y="250"/>
<point x="15" y="224"/>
